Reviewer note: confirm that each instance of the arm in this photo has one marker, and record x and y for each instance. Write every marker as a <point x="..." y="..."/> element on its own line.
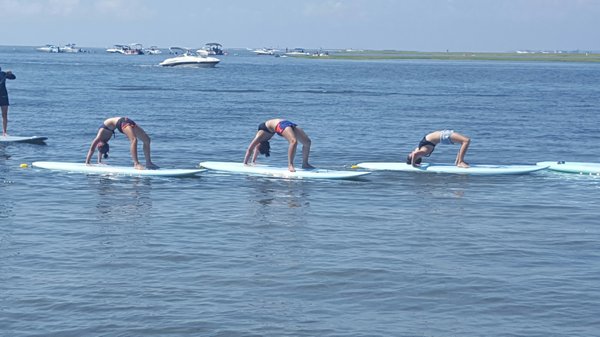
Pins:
<point x="416" y="154"/>
<point x="255" y="153"/>
<point x="90" y="153"/>
<point x="10" y="75"/>
<point x="252" y="149"/>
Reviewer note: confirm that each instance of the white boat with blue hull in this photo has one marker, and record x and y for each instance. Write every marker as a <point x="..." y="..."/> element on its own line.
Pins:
<point x="188" y="58"/>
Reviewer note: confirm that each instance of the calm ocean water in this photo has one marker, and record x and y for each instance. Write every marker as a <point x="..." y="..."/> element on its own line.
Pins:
<point x="224" y="255"/>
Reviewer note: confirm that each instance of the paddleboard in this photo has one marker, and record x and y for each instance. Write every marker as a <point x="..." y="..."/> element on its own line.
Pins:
<point x="572" y="167"/>
<point x="280" y="172"/>
<point x="452" y="169"/>
<point x="17" y="139"/>
<point x="114" y="170"/>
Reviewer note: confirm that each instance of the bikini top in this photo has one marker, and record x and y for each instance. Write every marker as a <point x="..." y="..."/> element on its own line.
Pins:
<point x="263" y="127"/>
<point x="425" y="142"/>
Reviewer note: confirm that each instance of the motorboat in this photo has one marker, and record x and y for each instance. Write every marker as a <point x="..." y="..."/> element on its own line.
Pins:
<point x="49" y="48"/>
<point x="69" y="48"/>
<point x="214" y="48"/>
<point x="132" y="49"/>
<point x="296" y="52"/>
<point x="188" y="58"/>
<point x="112" y="50"/>
<point x="152" y="51"/>
<point x="117" y="49"/>
<point x="264" y="51"/>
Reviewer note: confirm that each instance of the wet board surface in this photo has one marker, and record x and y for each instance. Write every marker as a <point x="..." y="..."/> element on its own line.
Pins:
<point x="572" y="167"/>
<point x="452" y="169"/>
<point x="280" y="172"/>
<point x="18" y="139"/>
<point x="114" y="170"/>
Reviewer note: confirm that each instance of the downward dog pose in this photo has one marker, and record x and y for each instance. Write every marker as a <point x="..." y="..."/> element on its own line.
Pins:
<point x="127" y="127"/>
<point x="428" y="143"/>
<point x="286" y="129"/>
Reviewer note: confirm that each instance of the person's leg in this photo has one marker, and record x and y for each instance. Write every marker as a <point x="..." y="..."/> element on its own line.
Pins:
<point x="4" y="120"/>
<point x="141" y="134"/>
<point x="464" y="146"/>
<point x="133" y="139"/>
<point x="290" y="135"/>
<point x="306" y="142"/>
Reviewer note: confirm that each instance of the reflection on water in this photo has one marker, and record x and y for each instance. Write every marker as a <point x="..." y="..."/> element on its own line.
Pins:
<point x="123" y="198"/>
<point x="281" y="191"/>
<point x="123" y="211"/>
<point x="6" y="220"/>
<point x="279" y="201"/>
<point x="6" y="203"/>
<point x="442" y="185"/>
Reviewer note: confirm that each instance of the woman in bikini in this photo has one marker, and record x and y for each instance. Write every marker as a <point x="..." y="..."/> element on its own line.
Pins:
<point x="127" y="127"/>
<point x="286" y="129"/>
<point x="428" y="143"/>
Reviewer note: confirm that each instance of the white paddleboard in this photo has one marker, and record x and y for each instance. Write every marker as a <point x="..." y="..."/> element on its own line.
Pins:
<point x="114" y="170"/>
<point x="280" y="172"/>
<point x="17" y="139"/>
<point x="452" y="169"/>
<point x="572" y="167"/>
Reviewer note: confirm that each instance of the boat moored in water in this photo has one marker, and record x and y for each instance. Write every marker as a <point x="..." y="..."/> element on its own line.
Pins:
<point x="132" y="49"/>
<point x="49" y="48"/>
<point x="152" y="51"/>
<point x="214" y="48"/>
<point x="189" y="58"/>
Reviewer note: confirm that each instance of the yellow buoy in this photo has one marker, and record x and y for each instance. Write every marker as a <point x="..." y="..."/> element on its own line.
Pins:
<point x="24" y="165"/>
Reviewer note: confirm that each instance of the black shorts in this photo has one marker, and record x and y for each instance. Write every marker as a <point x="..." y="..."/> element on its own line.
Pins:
<point x="4" y="100"/>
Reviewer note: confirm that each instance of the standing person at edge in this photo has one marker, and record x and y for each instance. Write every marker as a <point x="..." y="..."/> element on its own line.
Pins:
<point x="428" y="143"/>
<point x="286" y="129"/>
<point x="127" y="127"/>
<point x="4" y="98"/>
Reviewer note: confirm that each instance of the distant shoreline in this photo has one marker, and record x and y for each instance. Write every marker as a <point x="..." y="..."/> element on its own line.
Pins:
<point x="460" y="56"/>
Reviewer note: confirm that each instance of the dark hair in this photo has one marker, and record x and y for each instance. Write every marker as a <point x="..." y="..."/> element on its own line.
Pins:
<point x="103" y="148"/>
<point x="409" y="160"/>
<point x="265" y="148"/>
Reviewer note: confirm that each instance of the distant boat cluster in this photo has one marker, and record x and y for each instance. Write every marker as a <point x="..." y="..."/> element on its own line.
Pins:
<point x="288" y="52"/>
<point x="212" y="48"/>
<point x="184" y="57"/>
<point x="549" y="52"/>
<point x="69" y="48"/>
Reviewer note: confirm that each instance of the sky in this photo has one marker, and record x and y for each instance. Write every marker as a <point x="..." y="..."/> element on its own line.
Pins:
<point x="415" y="25"/>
